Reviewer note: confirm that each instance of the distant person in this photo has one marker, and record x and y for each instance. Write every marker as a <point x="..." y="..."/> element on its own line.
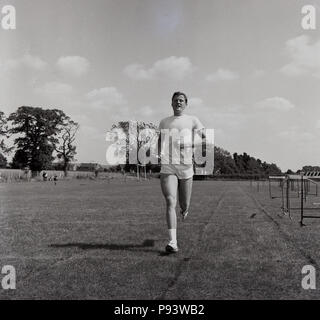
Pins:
<point x="45" y="176"/>
<point x="177" y="177"/>
<point x="55" y="179"/>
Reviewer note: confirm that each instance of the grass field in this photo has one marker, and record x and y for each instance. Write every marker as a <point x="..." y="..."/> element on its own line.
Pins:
<point x="105" y="240"/>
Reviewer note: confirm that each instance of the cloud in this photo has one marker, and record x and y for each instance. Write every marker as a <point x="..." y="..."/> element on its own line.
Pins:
<point x="74" y="66"/>
<point x="230" y="116"/>
<point x="105" y="97"/>
<point x="137" y="72"/>
<point x="222" y="116"/>
<point x="175" y="68"/>
<point x="275" y="103"/>
<point x="54" y="89"/>
<point x="296" y="135"/>
<point x="145" y="111"/>
<point x="222" y="75"/>
<point x="215" y="117"/>
<point x="195" y="102"/>
<point x="91" y="132"/>
<point x="258" y="73"/>
<point x="196" y="106"/>
<point x="26" y="61"/>
<point x="304" y="57"/>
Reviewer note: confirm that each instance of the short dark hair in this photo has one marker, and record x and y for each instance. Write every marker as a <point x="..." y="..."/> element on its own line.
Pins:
<point x="179" y="93"/>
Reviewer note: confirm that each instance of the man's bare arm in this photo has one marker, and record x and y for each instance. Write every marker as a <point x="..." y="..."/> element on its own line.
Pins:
<point x="159" y="146"/>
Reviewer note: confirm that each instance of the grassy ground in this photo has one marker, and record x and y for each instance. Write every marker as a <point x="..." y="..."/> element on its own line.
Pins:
<point x="104" y="240"/>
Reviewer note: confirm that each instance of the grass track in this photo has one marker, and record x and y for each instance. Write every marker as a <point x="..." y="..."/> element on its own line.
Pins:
<point x="100" y="240"/>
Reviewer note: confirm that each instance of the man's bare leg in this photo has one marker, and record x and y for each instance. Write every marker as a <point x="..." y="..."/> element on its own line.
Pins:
<point x="185" y="190"/>
<point x="169" y="186"/>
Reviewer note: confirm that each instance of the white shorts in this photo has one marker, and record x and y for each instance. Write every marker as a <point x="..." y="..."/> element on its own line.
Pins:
<point x="182" y="171"/>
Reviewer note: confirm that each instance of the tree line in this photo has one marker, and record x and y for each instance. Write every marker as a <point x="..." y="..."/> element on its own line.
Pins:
<point x="39" y="135"/>
<point x="239" y="165"/>
<point x="242" y="165"/>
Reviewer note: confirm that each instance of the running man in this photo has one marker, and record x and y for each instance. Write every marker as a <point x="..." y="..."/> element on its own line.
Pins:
<point x="176" y="176"/>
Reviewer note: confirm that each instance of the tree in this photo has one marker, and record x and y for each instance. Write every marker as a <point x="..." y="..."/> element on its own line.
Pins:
<point x="273" y="169"/>
<point x="3" y="130"/>
<point x="3" y="133"/>
<point x="239" y="162"/>
<point x="19" y="160"/>
<point x="249" y="165"/>
<point x="3" y="161"/>
<point x="37" y="129"/>
<point x="137" y="139"/>
<point x="223" y="162"/>
<point x="66" y="137"/>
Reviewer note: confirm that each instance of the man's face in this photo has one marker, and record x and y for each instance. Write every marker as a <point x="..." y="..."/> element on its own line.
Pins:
<point x="178" y="104"/>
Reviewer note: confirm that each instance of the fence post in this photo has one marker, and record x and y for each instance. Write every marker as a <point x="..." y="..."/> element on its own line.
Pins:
<point x="301" y="202"/>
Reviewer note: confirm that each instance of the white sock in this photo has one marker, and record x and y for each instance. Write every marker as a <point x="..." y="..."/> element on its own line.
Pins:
<point x="173" y="235"/>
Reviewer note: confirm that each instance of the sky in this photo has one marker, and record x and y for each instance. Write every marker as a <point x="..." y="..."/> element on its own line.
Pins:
<point x="249" y="69"/>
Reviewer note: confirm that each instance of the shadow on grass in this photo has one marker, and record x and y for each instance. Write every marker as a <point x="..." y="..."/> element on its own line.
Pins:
<point x="167" y="254"/>
<point x="89" y="246"/>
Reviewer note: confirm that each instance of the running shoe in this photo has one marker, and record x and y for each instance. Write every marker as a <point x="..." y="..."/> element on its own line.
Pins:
<point x="172" y="247"/>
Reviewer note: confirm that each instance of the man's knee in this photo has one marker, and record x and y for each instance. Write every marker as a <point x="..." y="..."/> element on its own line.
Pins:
<point x="171" y="201"/>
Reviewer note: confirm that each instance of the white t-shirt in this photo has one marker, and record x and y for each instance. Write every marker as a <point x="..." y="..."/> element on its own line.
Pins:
<point x="177" y="137"/>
